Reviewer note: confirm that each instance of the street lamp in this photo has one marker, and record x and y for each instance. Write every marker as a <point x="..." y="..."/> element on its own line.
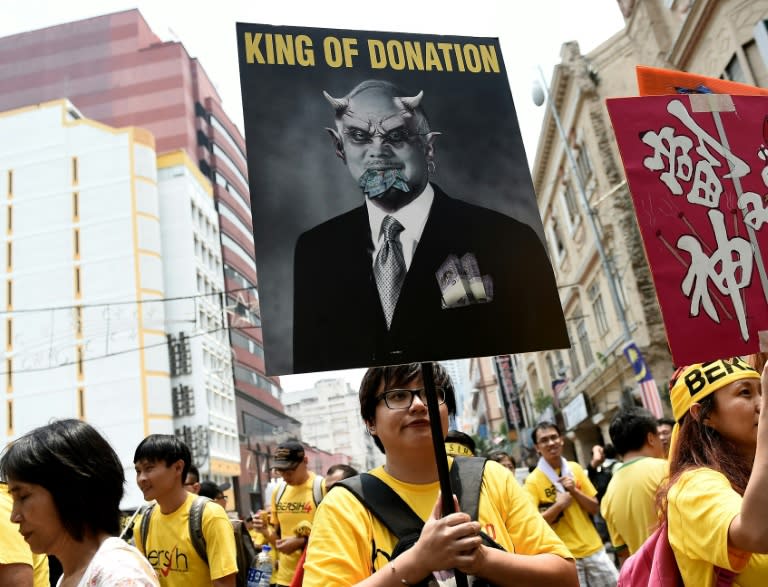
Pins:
<point x="540" y="95"/>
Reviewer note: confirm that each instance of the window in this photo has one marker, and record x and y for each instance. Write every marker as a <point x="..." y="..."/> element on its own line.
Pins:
<point x="9" y="227"/>
<point x="10" y="183"/>
<point x="598" y="309"/>
<point x="551" y="367"/>
<point x="80" y="403"/>
<point x="583" y="163"/>
<point x="749" y="65"/>
<point x="74" y="171"/>
<point x="734" y="71"/>
<point x="573" y="357"/>
<point x="238" y="278"/>
<point x="248" y="375"/>
<point x="558" y="238"/>
<point x="223" y="157"/>
<point x="569" y="198"/>
<point x="79" y="321"/>
<point x="220" y="127"/>
<point x="75" y="206"/>
<point x="9" y="294"/>
<point x="583" y="336"/>
<point x="242" y="341"/>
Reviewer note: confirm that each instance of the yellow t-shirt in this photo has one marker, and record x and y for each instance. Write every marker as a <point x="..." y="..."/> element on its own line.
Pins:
<point x="172" y="555"/>
<point x="13" y="547"/>
<point x="629" y="503"/>
<point x="574" y="526"/>
<point x="345" y="535"/>
<point x="296" y="505"/>
<point x="702" y="506"/>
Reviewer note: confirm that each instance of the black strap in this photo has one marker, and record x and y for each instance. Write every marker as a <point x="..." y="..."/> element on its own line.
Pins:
<point x="196" y="526"/>
<point x="382" y="501"/>
<point x="466" y="478"/>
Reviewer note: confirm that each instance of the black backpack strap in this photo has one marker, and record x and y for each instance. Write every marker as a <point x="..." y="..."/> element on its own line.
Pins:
<point x="379" y="499"/>
<point x="196" y="526"/>
<point x="144" y="526"/>
<point x="466" y="478"/>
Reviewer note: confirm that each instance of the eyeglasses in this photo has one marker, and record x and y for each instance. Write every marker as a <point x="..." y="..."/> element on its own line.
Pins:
<point x="222" y="496"/>
<point x="402" y="399"/>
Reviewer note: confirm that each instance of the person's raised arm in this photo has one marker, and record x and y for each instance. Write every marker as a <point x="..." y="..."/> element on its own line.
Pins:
<point x="748" y="530"/>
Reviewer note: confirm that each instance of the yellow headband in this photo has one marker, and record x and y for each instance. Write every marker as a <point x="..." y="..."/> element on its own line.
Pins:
<point x="699" y="380"/>
<point x="457" y="450"/>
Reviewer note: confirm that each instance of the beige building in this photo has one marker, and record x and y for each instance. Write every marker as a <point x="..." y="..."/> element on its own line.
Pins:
<point x="720" y="38"/>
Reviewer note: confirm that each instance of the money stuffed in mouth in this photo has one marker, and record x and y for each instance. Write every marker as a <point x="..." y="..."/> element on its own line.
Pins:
<point x="375" y="182"/>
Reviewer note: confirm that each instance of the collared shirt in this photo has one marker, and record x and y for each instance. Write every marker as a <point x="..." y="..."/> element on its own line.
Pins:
<point x="412" y="216"/>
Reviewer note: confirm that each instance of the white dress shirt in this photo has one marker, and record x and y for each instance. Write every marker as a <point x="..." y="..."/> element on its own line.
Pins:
<point x="412" y="216"/>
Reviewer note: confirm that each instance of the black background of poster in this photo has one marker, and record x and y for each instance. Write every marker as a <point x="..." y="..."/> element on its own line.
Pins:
<point x="297" y="181"/>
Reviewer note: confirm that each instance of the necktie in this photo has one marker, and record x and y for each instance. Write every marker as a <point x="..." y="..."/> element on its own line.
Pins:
<point x="389" y="267"/>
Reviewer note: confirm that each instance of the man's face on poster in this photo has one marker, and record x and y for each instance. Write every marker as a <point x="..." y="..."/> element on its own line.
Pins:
<point x="378" y="136"/>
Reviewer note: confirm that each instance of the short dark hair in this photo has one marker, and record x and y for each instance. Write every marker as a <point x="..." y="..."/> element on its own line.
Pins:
<point x="667" y="421"/>
<point x="377" y="377"/>
<point x="209" y="489"/>
<point x="166" y="448"/>
<point x="544" y="425"/>
<point x="630" y="427"/>
<point x="462" y="438"/>
<point x="498" y="455"/>
<point x="349" y="470"/>
<point x="78" y="467"/>
<point x="194" y="472"/>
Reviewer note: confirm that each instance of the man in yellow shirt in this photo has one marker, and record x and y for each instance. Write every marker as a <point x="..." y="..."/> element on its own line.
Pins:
<point x="566" y="499"/>
<point x="162" y="463"/>
<point x="294" y="503"/>
<point x="629" y="503"/>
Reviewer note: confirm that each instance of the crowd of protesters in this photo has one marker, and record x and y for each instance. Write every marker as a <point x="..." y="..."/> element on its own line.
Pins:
<point x="703" y="473"/>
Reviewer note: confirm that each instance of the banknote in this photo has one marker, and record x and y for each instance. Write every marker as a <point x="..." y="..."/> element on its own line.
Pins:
<point x="474" y="279"/>
<point x="461" y="282"/>
<point x="453" y="285"/>
<point x="375" y="182"/>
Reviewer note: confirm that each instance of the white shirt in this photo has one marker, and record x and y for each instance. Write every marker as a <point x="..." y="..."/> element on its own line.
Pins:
<point x="412" y="216"/>
<point x="117" y="564"/>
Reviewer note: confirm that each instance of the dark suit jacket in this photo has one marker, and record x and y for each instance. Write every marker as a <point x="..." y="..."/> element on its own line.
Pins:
<point x="338" y="320"/>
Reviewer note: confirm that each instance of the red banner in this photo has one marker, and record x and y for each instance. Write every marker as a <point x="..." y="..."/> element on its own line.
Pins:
<point x="697" y="166"/>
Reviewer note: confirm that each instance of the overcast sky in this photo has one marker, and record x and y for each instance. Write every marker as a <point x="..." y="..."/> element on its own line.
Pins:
<point x="530" y="33"/>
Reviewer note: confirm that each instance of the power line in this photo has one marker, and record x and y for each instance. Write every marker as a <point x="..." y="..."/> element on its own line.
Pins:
<point x="127" y="302"/>
<point x="122" y="352"/>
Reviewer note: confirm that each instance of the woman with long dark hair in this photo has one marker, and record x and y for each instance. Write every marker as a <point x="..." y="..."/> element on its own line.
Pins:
<point x="67" y="482"/>
<point x="716" y="499"/>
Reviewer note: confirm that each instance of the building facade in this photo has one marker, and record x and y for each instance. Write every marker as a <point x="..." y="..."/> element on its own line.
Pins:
<point x="85" y="336"/>
<point x="330" y="419"/>
<point x="115" y="70"/>
<point x="720" y="39"/>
